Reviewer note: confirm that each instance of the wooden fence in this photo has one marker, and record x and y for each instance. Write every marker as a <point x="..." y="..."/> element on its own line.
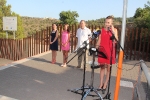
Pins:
<point x="137" y="43"/>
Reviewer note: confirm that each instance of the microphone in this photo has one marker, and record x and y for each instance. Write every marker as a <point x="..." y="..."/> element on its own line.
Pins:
<point x="85" y="43"/>
<point x="95" y="34"/>
<point x="108" y="28"/>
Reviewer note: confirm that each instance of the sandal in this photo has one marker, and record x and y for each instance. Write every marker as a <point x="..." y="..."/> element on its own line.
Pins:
<point x="62" y="65"/>
<point x="103" y="90"/>
<point x="54" y="61"/>
<point x="100" y="88"/>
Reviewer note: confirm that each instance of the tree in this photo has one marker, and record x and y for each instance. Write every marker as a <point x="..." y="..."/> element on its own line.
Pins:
<point x="68" y="17"/>
<point x="20" y="30"/>
<point x="142" y="16"/>
<point x="5" y="10"/>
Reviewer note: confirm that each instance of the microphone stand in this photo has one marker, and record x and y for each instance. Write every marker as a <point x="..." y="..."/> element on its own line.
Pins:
<point x="83" y="49"/>
<point x="107" y="96"/>
<point x="90" y="88"/>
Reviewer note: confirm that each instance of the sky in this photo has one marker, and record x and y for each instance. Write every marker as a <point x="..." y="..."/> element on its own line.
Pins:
<point x="87" y="9"/>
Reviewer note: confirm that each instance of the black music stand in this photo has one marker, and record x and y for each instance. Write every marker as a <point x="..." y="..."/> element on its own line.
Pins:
<point x="102" y="52"/>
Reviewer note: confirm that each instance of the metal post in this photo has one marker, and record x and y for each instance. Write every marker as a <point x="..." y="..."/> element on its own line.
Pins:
<point x="6" y="35"/>
<point x="14" y="35"/>
<point x="121" y="52"/>
<point x="146" y="71"/>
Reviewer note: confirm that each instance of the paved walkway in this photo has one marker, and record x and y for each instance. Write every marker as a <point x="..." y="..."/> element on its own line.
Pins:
<point x="35" y="78"/>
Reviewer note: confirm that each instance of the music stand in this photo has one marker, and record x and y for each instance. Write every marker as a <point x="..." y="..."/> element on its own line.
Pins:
<point x="102" y="52"/>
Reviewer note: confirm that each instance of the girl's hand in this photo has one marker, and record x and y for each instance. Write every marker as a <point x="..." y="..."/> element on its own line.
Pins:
<point x="62" y="44"/>
<point x="112" y="28"/>
<point x="51" y="42"/>
<point x="65" y="44"/>
<point x="97" y="46"/>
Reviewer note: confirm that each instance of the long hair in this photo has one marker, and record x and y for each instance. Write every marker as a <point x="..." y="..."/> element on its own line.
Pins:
<point x="68" y="28"/>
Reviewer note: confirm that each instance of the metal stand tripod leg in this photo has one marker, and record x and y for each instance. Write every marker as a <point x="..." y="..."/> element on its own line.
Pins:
<point x="78" y="89"/>
<point x="83" y="86"/>
<point x="91" y="88"/>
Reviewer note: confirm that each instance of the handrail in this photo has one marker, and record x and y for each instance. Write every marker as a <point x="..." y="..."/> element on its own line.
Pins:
<point x="146" y="71"/>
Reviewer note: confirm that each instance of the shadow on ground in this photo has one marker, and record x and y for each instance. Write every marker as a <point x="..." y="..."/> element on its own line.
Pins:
<point x="37" y="79"/>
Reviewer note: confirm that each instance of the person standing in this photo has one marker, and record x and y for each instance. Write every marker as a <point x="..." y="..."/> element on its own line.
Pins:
<point x="82" y="35"/>
<point x="104" y="44"/>
<point x="65" y="45"/>
<point x="54" y="43"/>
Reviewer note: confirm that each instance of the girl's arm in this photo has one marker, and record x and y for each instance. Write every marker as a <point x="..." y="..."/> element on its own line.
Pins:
<point x="116" y="34"/>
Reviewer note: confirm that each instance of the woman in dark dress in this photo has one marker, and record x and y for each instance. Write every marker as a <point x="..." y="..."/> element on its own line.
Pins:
<point x="54" y="42"/>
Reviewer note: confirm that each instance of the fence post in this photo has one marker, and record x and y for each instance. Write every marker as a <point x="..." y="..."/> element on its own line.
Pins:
<point x="32" y="45"/>
<point x="131" y="43"/>
<point x="148" y="47"/>
<point x="15" y="49"/>
<point x="144" y="44"/>
<point x="41" y="40"/>
<point x="135" y="47"/>
<point x="44" y="40"/>
<point x="72" y="37"/>
<point x="139" y="53"/>
<point x="59" y="36"/>
<point x="47" y="35"/>
<point x="9" y="43"/>
<point x="39" y="37"/>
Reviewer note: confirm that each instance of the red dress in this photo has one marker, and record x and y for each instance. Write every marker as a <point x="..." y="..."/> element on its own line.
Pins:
<point x="105" y="48"/>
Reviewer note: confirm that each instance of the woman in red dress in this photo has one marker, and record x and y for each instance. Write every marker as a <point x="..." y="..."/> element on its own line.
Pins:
<point x="104" y="45"/>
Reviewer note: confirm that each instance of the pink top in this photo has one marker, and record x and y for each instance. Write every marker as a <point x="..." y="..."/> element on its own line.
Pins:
<point x="64" y="38"/>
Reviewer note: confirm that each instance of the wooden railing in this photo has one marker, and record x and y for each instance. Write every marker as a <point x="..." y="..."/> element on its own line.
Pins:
<point x="137" y="43"/>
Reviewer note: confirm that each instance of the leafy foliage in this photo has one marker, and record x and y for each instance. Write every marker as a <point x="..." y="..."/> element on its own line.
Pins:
<point x="20" y="29"/>
<point x="101" y="21"/>
<point x="142" y="16"/>
<point x="5" y="10"/>
<point x="33" y="24"/>
<point x="68" y="17"/>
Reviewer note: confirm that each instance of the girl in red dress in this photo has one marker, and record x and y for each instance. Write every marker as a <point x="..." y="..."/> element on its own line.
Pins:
<point x="104" y="45"/>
